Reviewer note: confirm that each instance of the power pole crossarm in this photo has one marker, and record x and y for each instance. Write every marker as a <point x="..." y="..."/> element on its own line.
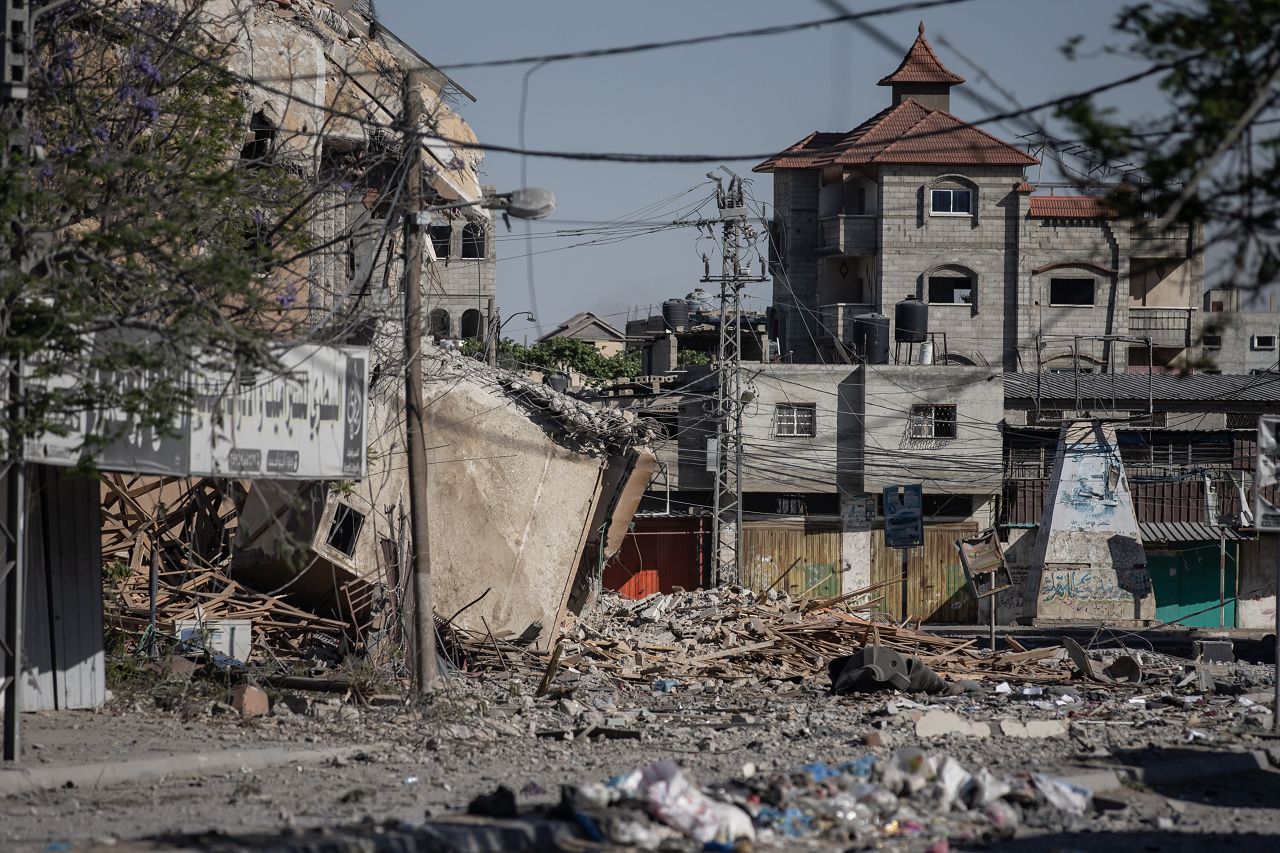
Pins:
<point x="424" y="629"/>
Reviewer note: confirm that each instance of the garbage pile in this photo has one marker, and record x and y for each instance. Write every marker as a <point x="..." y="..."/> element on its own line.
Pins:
<point x="864" y="801"/>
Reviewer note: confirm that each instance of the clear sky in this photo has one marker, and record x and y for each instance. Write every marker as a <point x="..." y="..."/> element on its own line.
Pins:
<point x="750" y="96"/>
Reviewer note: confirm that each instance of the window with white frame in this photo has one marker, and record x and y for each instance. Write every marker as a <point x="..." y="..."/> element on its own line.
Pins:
<point x="795" y="420"/>
<point x="932" y="422"/>
<point x="1262" y="342"/>
<point x="953" y="202"/>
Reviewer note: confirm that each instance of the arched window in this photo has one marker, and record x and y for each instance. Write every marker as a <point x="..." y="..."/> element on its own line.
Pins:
<point x="473" y="240"/>
<point x="471" y="323"/>
<point x="951" y="284"/>
<point x="438" y="323"/>
<point x="951" y="195"/>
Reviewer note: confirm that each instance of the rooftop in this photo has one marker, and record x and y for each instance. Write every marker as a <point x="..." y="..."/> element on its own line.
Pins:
<point x="1136" y="386"/>
<point x="921" y="65"/>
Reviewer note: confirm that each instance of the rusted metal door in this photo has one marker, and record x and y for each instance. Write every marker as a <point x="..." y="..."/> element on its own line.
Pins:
<point x="936" y="587"/>
<point x="657" y="555"/>
<point x="770" y="548"/>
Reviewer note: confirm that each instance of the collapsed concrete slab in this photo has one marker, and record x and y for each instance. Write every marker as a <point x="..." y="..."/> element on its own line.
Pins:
<point x="530" y="491"/>
<point x="1091" y="564"/>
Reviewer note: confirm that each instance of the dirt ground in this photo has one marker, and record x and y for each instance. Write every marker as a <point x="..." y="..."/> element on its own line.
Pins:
<point x="493" y="731"/>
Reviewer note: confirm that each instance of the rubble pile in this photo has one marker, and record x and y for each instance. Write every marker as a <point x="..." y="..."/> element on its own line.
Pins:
<point x="733" y="634"/>
<point x="190" y="537"/>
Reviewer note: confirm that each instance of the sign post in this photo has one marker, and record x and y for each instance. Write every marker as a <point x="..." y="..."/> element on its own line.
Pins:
<point x="904" y="526"/>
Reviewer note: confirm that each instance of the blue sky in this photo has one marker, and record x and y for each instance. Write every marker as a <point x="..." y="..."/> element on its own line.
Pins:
<point x="735" y="97"/>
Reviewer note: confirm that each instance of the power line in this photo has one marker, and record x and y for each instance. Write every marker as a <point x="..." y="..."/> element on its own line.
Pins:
<point x="777" y="29"/>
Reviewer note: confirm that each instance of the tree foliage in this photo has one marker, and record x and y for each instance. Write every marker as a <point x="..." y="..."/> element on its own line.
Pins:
<point x="1203" y="157"/>
<point x="146" y="213"/>
<point x="563" y="354"/>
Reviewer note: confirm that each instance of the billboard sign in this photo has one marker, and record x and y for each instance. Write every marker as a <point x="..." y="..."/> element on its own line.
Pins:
<point x="904" y="516"/>
<point x="306" y="420"/>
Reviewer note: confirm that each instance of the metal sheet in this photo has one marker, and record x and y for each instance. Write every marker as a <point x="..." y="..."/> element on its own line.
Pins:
<point x="937" y="590"/>
<point x="1184" y="531"/>
<point x="811" y="551"/>
<point x="1133" y="387"/>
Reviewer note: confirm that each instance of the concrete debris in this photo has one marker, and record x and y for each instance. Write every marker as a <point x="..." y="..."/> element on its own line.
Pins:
<point x="942" y="723"/>
<point x="250" y="701"/>
<point x="1033" y="729"/>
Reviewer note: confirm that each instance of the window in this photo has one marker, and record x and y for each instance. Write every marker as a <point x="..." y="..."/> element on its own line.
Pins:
<point x="472" y="241"/>
<point x="438" y="324"/>
<point x="1263" y="342"/>
<point x="1213" y="341"/>
<point x="1071" y="291"/>
<point x="471" y="324"/>
<point x="950" y="290"/>
<point x="1242" y="420"/>
<point x="345" y="530"/>
<point x="958" y="202"/>
<point x="795" y="420"/>
<point x="932" y="422"/>
<point x="1216" y="307"/>
<point x="440" y="236"/>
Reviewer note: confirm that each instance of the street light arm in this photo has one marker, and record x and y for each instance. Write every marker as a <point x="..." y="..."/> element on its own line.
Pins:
<point x="527" y="203"/>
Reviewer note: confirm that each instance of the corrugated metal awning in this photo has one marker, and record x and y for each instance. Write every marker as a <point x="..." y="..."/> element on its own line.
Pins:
<point x="1154" y="532"/>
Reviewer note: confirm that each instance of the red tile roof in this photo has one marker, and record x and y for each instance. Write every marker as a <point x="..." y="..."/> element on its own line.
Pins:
<point x="1025" y="187"/>
<point x="906" y="133"/>
<point x="921" y="65"/>
<point x="1070" y="207"/>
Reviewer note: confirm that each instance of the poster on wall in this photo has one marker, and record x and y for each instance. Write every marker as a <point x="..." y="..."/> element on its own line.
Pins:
<point x="1266" y="515"/>
<point x="904" y="516"/>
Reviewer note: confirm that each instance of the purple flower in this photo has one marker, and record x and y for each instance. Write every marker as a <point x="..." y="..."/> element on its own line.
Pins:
<point x="289" y="298"/>
<point x="101" y="133"/>
<point x="147" y="68"/>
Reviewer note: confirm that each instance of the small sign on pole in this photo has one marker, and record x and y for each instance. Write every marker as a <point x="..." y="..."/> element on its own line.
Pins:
<point x="904" y="516"/>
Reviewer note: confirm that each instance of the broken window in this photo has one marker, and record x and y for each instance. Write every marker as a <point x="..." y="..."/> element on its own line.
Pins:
<point x="932" y="422"/>
<point x="344" y="533"/>
<point x="795" y="420"/>
<point x="950" y="290"/>
<point x="1071" y="291"/>
<point x="951" y="201"/>
<point x="441" y="235"/>
<point x="263" y="133"/>
<point x="473" y="241"/>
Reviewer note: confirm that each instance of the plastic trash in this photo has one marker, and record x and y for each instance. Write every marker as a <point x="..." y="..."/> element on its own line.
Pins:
<point x="411" y="780"/>
<point x="671" y="798"/>
<point x="1003" y="687"/>
<point x="1060" y="793"/>
<point x="665" y="685"/>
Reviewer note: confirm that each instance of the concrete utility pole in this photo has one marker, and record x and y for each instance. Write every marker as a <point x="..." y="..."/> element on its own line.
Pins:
<point x="15" y="47"/>
<point x="424" y="628"/>
<point x="726" y="457"/>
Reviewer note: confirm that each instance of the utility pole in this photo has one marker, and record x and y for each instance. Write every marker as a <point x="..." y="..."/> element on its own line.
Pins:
<point x="15" y="48"/>
<point x="726" y="521"/>
<point x="424" y="628"/>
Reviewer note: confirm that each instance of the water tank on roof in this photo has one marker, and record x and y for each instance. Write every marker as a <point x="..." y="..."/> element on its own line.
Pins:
<point x="675" y="313"/>
<point x="871" y="337"/>
<point x="911" y="321"/>
<point x="558" y="381"/>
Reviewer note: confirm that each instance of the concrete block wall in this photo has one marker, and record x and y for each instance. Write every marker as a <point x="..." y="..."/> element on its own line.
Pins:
<point x="888" y="455"/>
<point x="1104" y="243"/>
<point x="916" y="244"/>
<point x="795" y="286"/>
<point x="456" y="284"/>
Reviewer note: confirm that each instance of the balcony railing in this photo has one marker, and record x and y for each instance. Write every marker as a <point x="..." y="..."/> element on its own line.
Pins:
<point x="1167" y="327"/>
<point x="851" y="235"/>
<point x="837" y="319"/>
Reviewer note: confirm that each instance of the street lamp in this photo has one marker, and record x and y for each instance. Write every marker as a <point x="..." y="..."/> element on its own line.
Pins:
<point x="491" y="349"/>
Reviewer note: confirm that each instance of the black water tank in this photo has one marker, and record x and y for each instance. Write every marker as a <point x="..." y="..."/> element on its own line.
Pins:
<point x="871" y="337"/>
<point x="911" y="321"/>
<point x="675" y="313"/>
<point x="557" y="381"/>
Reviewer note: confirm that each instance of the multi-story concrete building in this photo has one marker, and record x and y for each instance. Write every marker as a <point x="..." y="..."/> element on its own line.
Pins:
<point x="918" y="202"/>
